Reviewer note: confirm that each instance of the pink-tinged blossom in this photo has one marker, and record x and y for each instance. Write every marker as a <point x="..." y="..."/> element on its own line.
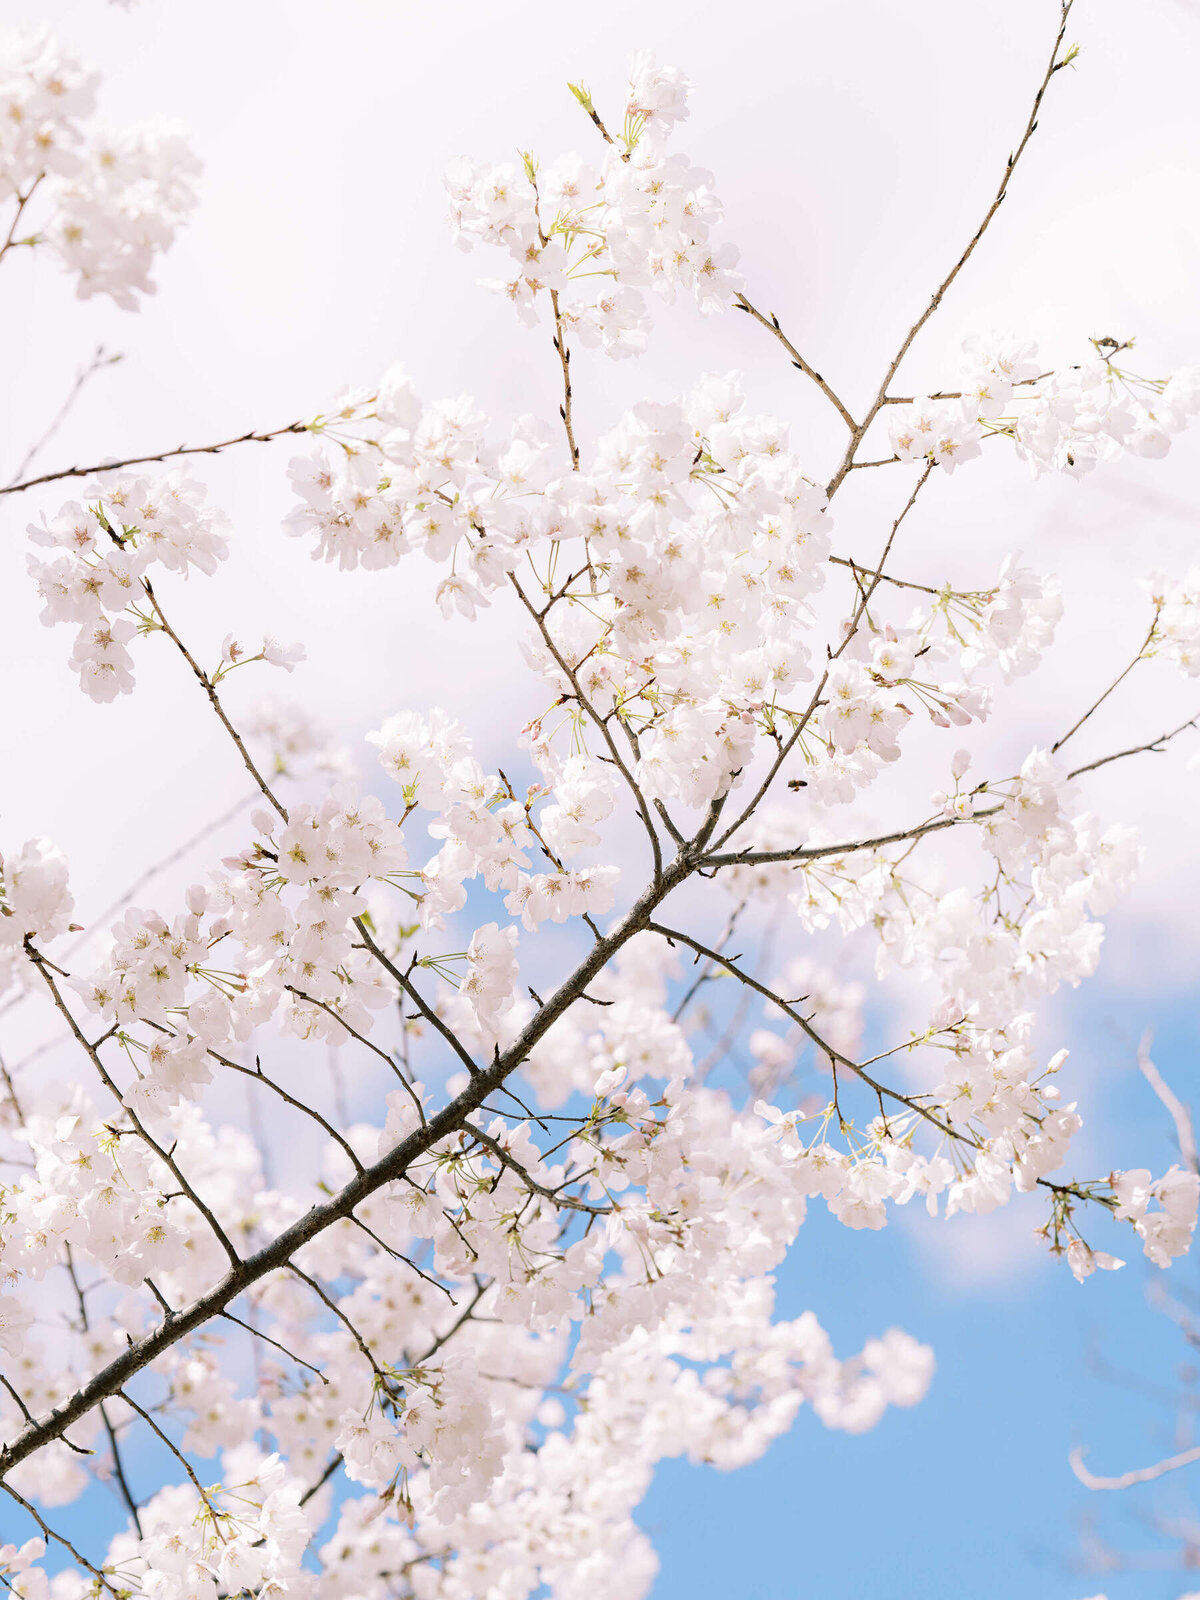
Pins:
<point x="105" y="201"/>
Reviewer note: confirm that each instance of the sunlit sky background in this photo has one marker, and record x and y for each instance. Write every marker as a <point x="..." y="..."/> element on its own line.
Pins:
<point x="855" y="146"/>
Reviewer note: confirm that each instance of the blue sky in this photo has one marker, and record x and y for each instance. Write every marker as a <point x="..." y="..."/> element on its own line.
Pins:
<point x="969" y="1493"/>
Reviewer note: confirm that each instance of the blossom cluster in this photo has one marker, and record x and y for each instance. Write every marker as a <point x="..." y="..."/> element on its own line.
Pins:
<point x="1176" y="632"/>
<point x="290" y="916"/>
<point x="699" y="544"/>
<point x="590" y="238"/>
<point x="451" y="1444"/>
<point x="105" y="201"/>
<point x="250" y="1535"/>
<point x="1065" y="421"/>
<point x="988" y="958"/>
<point x="110" y="540"/>
<point x="35" y="903"/>
<point x="107" y="542"/>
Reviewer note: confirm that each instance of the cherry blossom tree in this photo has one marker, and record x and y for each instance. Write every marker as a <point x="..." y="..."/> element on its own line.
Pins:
<point x="446" y="1362"/>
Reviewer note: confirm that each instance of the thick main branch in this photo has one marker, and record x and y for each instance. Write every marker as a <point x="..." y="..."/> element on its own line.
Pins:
<point x="278" y="1254"/>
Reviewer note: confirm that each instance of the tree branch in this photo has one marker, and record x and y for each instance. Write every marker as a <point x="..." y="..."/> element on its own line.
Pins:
<point x="936" y="299"/>
<point x="279" y="1252"/>
<point x="163" y="455"/>
<point x="771" y="324"/>
<point x="1126" y="1480"/>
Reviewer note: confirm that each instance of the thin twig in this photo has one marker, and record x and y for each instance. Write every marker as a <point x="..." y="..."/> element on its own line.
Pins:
<point x="123" y="1488"/>
<point x="214" y="700"/>
<point x="172" y="1447"/>
<point x="496" y="1149"/>
<point x="360" y="1037"/>
<point x="58" y="1539"/>
<point x="771" y="323"/>
<point x="1180" y="1115"/>
<point x="22" y="201"/>
<point x="152" y="872"/>
<point x="951" y="394"/>
<point x="757" y="858"/>
<point x="802" y="722"/>
<point x="163" y="455"/>
<point x="601" y="723"/>
<point x="1116" y="683"/>
<point x="257" y="1075"/>
<point x="266" y="1339"/>
<point x="44" y="968"/>
<point x="673" y="935"/>
<point x="422" y="1005"/>
<point x="859" y="571"/>
<point x="938" y="294"/>
<point x="333" y="1306"/>
<point x="100" y="359"/>
<point x="1126" y="1480"/>
<point x="564" y="357"/>
<point x="335" y="1461"/>
<point x="398" y="1255"/>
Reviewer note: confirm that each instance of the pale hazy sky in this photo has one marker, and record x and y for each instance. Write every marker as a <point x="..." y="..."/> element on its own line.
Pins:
<point x="854" y="146"/>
